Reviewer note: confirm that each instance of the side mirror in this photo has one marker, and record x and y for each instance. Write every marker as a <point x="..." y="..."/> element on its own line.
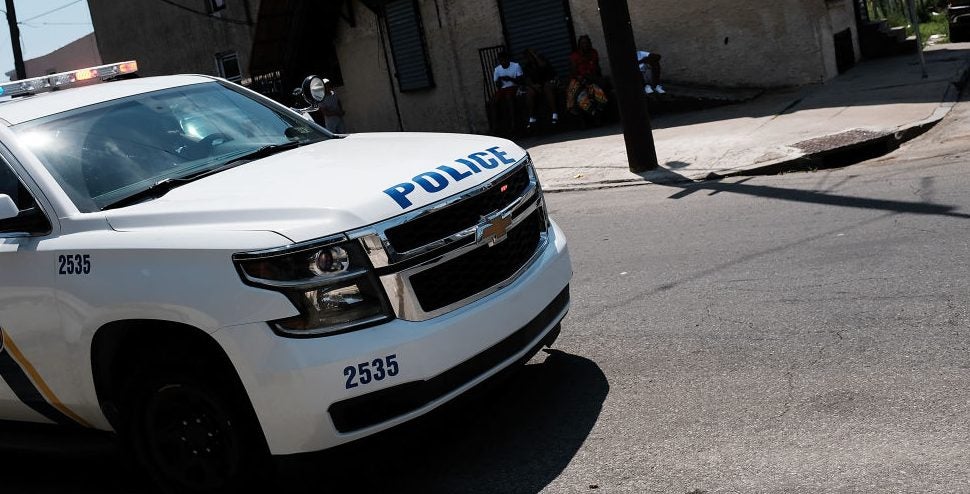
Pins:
<point x="314" y="90"/>
<point x="7" y="208"/>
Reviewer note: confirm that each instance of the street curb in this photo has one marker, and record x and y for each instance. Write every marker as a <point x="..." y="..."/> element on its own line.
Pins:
<point x="857" y="152"/>
<point x="611" y="184"/>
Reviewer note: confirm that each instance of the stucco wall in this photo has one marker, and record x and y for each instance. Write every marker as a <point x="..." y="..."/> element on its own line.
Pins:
<point x="469" y="26"/>
<point x="454" y="31"/>
<point x="184" y="42"/>
<point x="715" y="42"/>
<point x="838" y="15"/>
<point x="723" y="42"/>
<point x="366" y="94"/>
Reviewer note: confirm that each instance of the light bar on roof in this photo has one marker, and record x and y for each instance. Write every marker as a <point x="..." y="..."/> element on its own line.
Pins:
<point x="65" y="79"/>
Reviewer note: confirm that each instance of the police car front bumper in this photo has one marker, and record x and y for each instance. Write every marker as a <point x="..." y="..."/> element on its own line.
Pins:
<point x="307" y="399"/>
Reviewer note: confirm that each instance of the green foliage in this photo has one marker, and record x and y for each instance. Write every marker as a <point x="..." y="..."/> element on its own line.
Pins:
<point x="935" y="25"/>
<point x="896" y="13"/>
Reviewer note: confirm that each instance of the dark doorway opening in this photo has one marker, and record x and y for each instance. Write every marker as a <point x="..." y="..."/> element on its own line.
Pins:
<point x="844" y="50"/>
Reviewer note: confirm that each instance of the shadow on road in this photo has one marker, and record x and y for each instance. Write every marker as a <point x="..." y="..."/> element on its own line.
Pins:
<point x="515" y="435"/>
<point x="888" y="207"/>
<point x="48" y="459"/>
<point x="815" y="197"/>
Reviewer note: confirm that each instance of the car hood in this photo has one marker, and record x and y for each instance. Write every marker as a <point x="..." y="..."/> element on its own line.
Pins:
<point x="328" y="187"/>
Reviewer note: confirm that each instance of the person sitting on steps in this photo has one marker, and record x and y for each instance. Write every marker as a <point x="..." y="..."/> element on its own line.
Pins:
<point x="584" y="94"/>
<point x="650" y="69"/>
<point x="541" y="80"/>
<point x="508" y="77"/>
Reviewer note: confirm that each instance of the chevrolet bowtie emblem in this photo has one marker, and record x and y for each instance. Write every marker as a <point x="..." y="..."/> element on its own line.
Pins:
<point x="494" y="230"/>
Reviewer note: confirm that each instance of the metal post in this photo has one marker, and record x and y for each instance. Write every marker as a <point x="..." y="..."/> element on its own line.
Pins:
<point x="914" y="19"/>
<point x="18" y="56"/>
<point x="628" y="82"/>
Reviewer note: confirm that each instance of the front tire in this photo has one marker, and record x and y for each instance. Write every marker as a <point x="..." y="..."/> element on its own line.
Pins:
<point x="193" y="435"/>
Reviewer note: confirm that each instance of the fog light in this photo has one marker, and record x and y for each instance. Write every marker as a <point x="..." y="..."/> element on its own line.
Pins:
<point x="339" y="299"/>
<point x="330" y="310"/>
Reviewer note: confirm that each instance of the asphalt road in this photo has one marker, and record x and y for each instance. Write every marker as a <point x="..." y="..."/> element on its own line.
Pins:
<point x="806" y="332"/>
<point x="797" y="333"/>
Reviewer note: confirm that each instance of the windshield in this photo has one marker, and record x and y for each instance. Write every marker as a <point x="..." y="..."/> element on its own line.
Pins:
<point x="103" y="153"/>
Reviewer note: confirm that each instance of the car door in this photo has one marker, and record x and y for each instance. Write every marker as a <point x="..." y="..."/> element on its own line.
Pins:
<point x="29" y="317"/>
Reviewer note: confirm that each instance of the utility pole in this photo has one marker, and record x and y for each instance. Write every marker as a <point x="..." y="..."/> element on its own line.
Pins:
<point x="622" y="50"/>
<point x="914" y="20"/>
<point x="18" y="55"/>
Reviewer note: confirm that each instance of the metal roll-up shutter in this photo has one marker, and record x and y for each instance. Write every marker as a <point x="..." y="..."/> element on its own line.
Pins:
<point x="406" y="36"/>
<point x="543" y="25"/>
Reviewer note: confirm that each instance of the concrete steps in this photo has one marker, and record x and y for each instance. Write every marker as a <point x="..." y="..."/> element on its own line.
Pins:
<point x="686" y="97"/>
<point x="878" y="39"/>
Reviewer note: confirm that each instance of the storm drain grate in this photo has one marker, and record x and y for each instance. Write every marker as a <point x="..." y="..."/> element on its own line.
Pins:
<point x="834" y="141"/>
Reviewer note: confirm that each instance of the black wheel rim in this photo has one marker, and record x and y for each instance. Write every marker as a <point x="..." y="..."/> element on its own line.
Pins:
<point x="191" y="438"/>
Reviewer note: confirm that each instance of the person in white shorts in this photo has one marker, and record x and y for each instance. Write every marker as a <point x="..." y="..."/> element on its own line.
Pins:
<point x="650" y="68"/>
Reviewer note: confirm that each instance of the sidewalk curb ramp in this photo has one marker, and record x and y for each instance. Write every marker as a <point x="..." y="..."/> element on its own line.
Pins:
<point x="873" y="145"/>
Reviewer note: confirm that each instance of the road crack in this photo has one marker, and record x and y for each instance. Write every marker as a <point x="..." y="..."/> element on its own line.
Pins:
<point x="790" y="373"/>
<point x="790" y="396"/>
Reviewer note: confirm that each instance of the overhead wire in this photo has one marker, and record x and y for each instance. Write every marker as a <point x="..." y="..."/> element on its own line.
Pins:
<point x="59" y="24"/>
<point x="51" y="11"/>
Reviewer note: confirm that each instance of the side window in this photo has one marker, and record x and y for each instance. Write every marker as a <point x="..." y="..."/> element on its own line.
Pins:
<point x="10" y="185"/>
<point x="30" y="219"/>
<point x="406" y="35"/>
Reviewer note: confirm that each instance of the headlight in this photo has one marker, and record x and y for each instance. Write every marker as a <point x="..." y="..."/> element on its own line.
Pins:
<point x="330" y="282"/>
<point x="534" y="176"/>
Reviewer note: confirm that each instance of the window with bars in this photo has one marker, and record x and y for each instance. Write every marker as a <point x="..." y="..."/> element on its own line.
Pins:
<point x="405" y="33"/>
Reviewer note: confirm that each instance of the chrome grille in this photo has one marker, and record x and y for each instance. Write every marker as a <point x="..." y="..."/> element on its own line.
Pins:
<point x="454" y="252"/>
<point x="478" y="270"/>
<point x="464" y="214"/>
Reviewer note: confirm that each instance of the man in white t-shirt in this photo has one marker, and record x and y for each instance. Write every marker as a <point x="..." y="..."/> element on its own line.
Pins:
<point x="650" y="68"/>
<point x="508" y="76"/>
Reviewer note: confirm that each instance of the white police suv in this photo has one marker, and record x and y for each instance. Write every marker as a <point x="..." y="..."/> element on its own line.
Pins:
<point x="198" y="268"/>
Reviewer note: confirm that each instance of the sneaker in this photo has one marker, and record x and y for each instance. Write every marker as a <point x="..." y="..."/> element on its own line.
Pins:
<point x="659" y="89"/>
<point x="647" y="90"/>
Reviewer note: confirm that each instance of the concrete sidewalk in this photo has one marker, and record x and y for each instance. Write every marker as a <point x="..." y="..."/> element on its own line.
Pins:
<point x="878" y="102"/>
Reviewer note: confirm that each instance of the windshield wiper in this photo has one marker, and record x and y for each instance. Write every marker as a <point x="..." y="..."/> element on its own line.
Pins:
<point x="262" y="152"/>
<point x="154" y="191"/>
<point x="161" y="187"/>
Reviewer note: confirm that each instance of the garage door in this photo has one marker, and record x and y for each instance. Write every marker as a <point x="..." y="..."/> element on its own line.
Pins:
<point x="543" y="25"/>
